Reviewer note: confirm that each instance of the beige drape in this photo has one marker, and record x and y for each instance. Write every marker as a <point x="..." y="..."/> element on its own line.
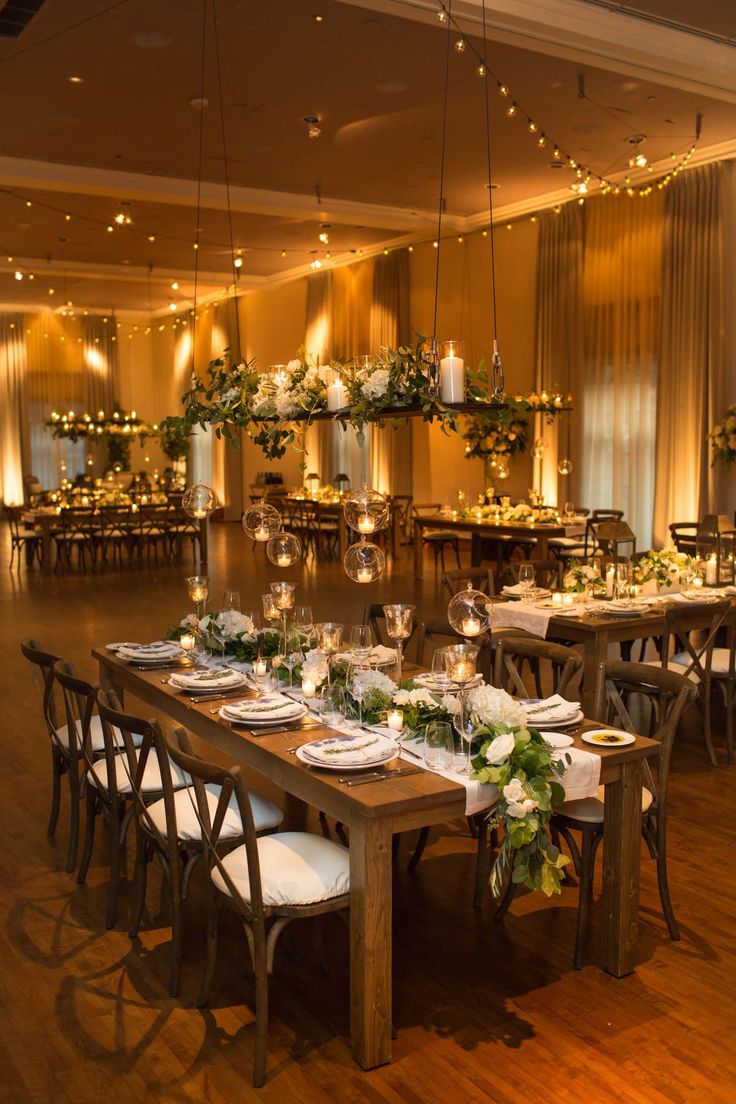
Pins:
<point x="391" y="452"/>
<point x="694" y="345"/>
<point x="317" y="343"/>
<point x="14" y="460"/>
<point x="559" y="349"/>
<point x="617" y="392"/>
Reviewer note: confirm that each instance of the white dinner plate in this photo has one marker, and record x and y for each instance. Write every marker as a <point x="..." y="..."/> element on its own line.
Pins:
<point x="607" y="737"/>
<point x="539" y="724"/>
<point x="378" y="761"/>
<point x="258" y="720"/>
<point x="121" y="644"/>
<point x="557" y="740"/>
<point x="199" y="681"/>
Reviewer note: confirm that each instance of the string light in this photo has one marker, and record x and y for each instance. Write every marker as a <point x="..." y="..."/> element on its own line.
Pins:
<point x="238" y="262"/>
<point x="460" y="46"/>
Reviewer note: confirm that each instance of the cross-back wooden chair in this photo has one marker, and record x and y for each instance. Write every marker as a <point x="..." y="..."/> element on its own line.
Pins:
<point x="667" y="694"/>
<point x="547" y="573"/>
<point x="21" y="538"/>
<point x="513" y="651"/>
<point x="268" y="881"/>
<point x="482" y="579"/>
<point x="689" y="646"/>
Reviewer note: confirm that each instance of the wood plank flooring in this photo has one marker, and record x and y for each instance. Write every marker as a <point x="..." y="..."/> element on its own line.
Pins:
<point x="482" y="1011"/>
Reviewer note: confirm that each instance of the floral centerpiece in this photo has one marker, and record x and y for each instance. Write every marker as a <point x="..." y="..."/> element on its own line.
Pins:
<point x="667" y="569"/>
<point x="723" y="438"/>
<point x="516" y="759"/>
<point x="580" y="577"/>
<point x="421" y="707"/>
<point x="230" y="632"/>
<point x="504" y="433"/>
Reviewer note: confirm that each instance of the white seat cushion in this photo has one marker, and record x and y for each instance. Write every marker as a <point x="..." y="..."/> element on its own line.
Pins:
<point x="266" y="815"/>
<point x="720" y="664"/>
<point x="95" y="731"/>
<point x="151" y="776"/>
<point x="297" y="868"/>
<point x="590" y="809"/>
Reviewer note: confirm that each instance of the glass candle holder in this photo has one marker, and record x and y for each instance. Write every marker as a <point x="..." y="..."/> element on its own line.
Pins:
<point x="197" y="589"/>
<point x="261" y="522"/>
<point x="199" y="501"/>
<point x="399" y="627"/>
<point x="468" y="612"/>
<point x="329" y="638"/>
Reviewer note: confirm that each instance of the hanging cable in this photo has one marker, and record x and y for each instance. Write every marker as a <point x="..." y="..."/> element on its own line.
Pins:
<point x="432" y="355"/>
<point x="497" y="378"/>
<point x="199" y="182"/>
<point x="227" y="179"/>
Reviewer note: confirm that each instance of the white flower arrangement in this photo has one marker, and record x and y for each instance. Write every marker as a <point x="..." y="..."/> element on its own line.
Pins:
<point x="518" y="801"/>
<point x="490" y="707"/>
<point x="723" y="438"/>
<point x="314" y="667"/>
<point x="376" y="384"/>
<point x="374" y="680"/>
<point x="580" y="576"/>
<point x="666" y="568"/>
<point x="418" y="696"/>
<point x="233" y="624"/>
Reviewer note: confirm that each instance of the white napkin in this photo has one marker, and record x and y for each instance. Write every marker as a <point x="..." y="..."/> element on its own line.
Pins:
<point x="351" y="750"/>
<point x="277" y="706"/>
<point x="582" y="776"/>
<point x="214" y="678"/>
<point x="147" y="651"/>
<point x="555" y="708"/>
<point x="380" y="655"/>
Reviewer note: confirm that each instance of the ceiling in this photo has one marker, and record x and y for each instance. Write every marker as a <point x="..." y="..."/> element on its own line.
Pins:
<point x="125" y="138"/>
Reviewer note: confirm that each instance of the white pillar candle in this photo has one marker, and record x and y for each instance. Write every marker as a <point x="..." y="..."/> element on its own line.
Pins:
<point x="610" y="580"/>
<point x="259" y="667"/>
<point x="308" y="688"/>
<point x="395" y="720"/>
<point x="336" y="396"/>
<point x="471" y="626"/>
<point x="711" y="571"/>
<point x="452" y="379"/>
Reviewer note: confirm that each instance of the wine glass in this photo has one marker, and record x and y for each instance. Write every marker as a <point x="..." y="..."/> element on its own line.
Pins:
<point x="526" y="578"/>
<point x="439" y="746"/>
<point x="399" y="627"/>
<point x="198" y="590"/>
<point x="568" y="512"/>
<point x="219" y="634"/>
<point x="361" y="643"/>
<point x="329" y="638"/>
<point x="303" y="620"/>
<point x="231" y="600"/>
<point x="357" y="687"/>
<point x="293" y="654"/>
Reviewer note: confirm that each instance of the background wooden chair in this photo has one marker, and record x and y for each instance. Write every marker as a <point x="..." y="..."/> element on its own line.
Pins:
<point x="437" y="539"/>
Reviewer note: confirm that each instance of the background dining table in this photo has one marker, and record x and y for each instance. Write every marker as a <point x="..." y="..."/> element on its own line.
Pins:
<point x="374" y="813"/>
<point x="477" y="529"/>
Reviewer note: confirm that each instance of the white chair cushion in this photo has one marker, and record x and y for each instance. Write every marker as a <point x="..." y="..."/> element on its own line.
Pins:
<point x="95" y="731"/>
<point x="590" y="809"/>
<point x="150" y="782"/>
<point x="266" y="815"/>
<point x="297" y="868"/>
<point x="719" y="664"/>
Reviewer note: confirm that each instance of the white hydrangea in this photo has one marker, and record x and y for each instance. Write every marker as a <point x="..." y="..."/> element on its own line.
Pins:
<point x="374" y="680"/>
<point x="450" y="703"/>
<point x="490" y="706"/>
<point x="314" y="667"/>
<point x="376" y="385"/>
<point x="232" y="622"/>
<point x="285" y="403"/>
<point x="420" y="696"/>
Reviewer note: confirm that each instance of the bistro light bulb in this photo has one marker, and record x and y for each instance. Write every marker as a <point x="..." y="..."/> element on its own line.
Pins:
<point x="199" y="500"/>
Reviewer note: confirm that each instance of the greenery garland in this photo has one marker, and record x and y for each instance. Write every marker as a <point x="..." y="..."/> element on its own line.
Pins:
<point x="504" y="432"/>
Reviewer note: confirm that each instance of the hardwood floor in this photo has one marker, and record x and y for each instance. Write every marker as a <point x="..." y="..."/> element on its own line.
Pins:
<point x="482" y="1011"/>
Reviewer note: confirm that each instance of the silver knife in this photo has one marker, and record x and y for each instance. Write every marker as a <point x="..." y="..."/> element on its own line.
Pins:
<point x="378" y="777"/>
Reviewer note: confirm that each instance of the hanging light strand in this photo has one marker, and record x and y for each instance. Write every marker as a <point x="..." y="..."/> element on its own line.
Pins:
<point x="497" y="380"/>
<point x="199" y="184"/>
<point x="227" y="178"/>
<point x="442" y="171"/>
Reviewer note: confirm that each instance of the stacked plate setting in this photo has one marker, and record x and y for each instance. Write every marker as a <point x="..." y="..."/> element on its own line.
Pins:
<point x="208" y="681"/>
<point x="349" y="753"/>
<point x="265" y="711"/>
<point x="554" y="712"/>
<point x="148" y="655"/>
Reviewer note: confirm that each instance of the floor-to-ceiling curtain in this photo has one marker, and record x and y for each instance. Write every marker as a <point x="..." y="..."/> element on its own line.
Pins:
<point x="14" y="458"/>
<point x="99" y="353"/>
<point x="617" y="393"/>
<point x="352" y="293"/>
<point x="317" y="344"/>
<point x="559" y="347"/>
<point x="695" y="317"/>
<point x="390" y="449"/>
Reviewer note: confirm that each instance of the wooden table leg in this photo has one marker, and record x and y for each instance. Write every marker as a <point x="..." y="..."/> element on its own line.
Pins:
<point x="395" y="531"/>
<point x="621" y="859"/>
<point x="543" y="546"/>
<point x="108" y="682"/>
<point x="595" y="651"/>
<point x="418" y="550"/>
<point x="370" y="941"/>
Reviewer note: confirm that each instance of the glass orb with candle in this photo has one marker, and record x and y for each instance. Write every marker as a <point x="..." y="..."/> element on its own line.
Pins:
<point x="399" y="626"/>
<point x="467" y="612"/>
<point x="366" y="511"/>
<point x="284" y="549"/>
<point x="538" y="448"/>
<point x="364" y="562"/>
<point x="564" y="466"/>
<point x="452" y="372"/>
<point x="197" y="589"/>
<point x="199" y="501"/>
<point x="261" y="521"/>
<point x="461" y="670"/>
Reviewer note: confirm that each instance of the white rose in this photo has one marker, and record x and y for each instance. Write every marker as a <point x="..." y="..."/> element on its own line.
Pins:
<point x="419" y="696"/>
<point x="189" y="622"/>
<point x="500" y="747"/>
<point x="451" y="703"/>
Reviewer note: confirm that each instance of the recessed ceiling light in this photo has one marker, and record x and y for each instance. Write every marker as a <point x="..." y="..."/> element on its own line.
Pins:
<point x="199" y="103"/>
<point x="75" y="80"/>
<point x="319" y="19"/>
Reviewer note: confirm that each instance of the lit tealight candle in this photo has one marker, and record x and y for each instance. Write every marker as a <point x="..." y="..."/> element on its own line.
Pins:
<point x="262" y="533"/>
<point x="556" y="598"/>
<point x="567" y="599"/>
<point x="309" y="688"/>
<point x="283" y="559"/>
<point x="471" y="626"/>
<point x="366" y="524"/>
<point x="395" y="720"/>
<point x="365" y="575"/>
<point x="199" y="512"/>
<point x="460" y="671"/>
<point x="188" y="642"/>
<point x="259" y="667"/>
<point x="199" y="594"/>
<point x="697" y="582"/>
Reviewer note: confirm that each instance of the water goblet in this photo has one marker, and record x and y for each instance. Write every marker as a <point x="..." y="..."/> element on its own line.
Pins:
<point x="361" y="642"/>
<point x="303" y="620"/>
<point x="329" y="638"/>
<point x="526" y="578"/>
<point x="439" y="746"/>
<point x="568" y="512"/>
<point x="624" y="577"/>
<point x="231" y="600"/>
<point x="399" y="627"/>
<point x="440" y="678"/>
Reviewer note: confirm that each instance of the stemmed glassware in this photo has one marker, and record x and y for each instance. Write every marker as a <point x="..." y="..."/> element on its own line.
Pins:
<point x="526" y="578"/>
<point x="293" y="654"/>
<point x="329" y="638"/>
<point x="198" y="591"/>
<point x="357" y="687"/>
<point x="461" y="668"/>
<point x="231" y="600"/>
<point x="303" y="620"/>
<point x="361" y="643"/>
<point x="399" y="626"/>
<point x="283" y="596"/>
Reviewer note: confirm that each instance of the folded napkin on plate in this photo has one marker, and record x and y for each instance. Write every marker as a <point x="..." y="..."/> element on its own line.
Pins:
<point x="217" y="676"/>
<point x="155" y="647"/>
<point x="554" y="708"/>
<point x="517" y="588"/>
<point x="379" y="655"/>
<point x="263" y="708"/>
<point x="350" y="750"/>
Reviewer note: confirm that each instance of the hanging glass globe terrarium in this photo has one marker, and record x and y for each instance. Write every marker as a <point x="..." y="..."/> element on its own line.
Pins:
<point x="283" y="549"/>
<point x="564" y="466"/>
<point x="364" y="562"/>
<point x="261" y="521"/>
<point x="468" y="612"/>
<point x="366" y="511"/>
<point x="199" y="501"/>
<point x="538" y="448"/>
